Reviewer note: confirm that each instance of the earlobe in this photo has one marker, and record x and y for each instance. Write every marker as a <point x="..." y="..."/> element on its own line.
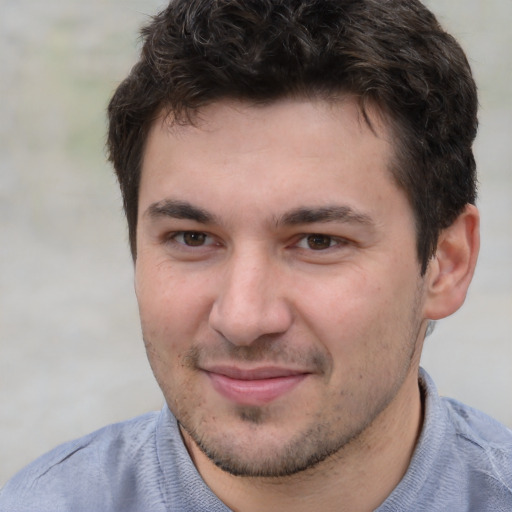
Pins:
<point x="452" y="267"/>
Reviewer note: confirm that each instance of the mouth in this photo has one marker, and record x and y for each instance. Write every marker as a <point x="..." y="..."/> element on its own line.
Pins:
<point x="254" y="387"/>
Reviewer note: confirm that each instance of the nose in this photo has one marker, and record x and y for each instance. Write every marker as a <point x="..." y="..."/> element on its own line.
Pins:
<point x="251" y="300"/>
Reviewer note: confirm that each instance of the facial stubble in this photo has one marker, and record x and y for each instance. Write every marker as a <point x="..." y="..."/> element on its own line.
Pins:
<point x="306" y="449"/>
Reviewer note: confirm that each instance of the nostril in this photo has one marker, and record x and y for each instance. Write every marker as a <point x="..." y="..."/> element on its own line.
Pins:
<point x="245" y="324"/>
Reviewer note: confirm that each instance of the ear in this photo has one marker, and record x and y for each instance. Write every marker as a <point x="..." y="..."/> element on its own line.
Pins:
<point x="451" y="269"/>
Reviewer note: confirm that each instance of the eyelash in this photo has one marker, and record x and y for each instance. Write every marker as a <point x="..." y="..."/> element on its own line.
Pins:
<point x="332" y="241"/>
<point x="201" y="236"/>
<point x="173" y="237"/>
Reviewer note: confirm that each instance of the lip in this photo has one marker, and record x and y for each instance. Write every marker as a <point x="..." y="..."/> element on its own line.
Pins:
<point x="257" y="386"/>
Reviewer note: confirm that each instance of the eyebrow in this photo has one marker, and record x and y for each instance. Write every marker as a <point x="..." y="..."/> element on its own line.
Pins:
<point x="325" y="214"/>
<point x="179" y="210"/>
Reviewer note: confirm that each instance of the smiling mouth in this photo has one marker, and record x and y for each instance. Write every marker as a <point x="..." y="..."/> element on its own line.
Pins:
<point x="256" y="386"/>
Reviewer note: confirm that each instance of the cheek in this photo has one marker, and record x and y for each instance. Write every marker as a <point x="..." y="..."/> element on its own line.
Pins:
<point x="171" y="307"/>
<point x="357" y="317"/>
<point x="341" y="301"/>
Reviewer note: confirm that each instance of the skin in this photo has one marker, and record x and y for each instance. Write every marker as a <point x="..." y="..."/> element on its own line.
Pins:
<point x="281" y="300"/>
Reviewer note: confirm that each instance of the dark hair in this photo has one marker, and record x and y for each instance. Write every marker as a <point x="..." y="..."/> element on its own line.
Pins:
<point x="390" y="53"/>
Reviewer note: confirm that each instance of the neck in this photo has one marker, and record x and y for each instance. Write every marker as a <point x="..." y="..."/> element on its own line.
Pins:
<point x="357" y="479"/>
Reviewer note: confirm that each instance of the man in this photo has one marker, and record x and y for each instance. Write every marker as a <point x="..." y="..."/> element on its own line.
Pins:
<point x="299" y="186"/>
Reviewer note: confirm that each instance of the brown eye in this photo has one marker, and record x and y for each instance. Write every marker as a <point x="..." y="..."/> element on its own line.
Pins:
<point x="318" y="242"/>
<point x="194" y="238"/>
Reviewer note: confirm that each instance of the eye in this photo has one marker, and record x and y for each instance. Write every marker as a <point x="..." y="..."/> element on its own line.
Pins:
<point x="318" y="242"/>
<point x="192" y="238"/>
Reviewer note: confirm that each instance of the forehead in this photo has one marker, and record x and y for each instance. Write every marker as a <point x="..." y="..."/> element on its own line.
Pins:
<point x="345" y="109"/>
<point x="292" y="150"/>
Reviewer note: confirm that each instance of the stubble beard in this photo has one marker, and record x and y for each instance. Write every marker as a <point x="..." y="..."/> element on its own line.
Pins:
<point x="301" y="453"/>
<point x="308" y="448"/>
<point x="304" y="451"/>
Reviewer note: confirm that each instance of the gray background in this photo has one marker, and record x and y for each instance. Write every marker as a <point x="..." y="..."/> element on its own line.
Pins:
<point x="71" y="357"/>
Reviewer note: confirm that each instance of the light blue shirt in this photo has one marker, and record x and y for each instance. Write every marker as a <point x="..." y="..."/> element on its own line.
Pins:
<point x="463" y="462"/>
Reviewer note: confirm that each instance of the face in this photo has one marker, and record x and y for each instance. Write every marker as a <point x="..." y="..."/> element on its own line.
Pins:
<point x="278" y="283"/>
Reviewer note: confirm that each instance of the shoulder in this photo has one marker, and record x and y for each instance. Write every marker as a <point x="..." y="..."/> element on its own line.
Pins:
<point x="477" y="427"/>
<point x="485" y="448"/>
<point x="462" y="461"/>
<point x="102" y="460"/>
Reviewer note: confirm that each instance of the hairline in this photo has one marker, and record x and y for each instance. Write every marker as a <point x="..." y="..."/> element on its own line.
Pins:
<point x="394" y="129"/>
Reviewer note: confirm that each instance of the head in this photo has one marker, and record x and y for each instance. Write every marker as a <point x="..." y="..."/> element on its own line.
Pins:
<point x="295" y="177"/>
<point x="390" y="54"/>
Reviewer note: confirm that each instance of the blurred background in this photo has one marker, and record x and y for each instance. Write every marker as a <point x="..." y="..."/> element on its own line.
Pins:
<point x="71" y="355"/>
